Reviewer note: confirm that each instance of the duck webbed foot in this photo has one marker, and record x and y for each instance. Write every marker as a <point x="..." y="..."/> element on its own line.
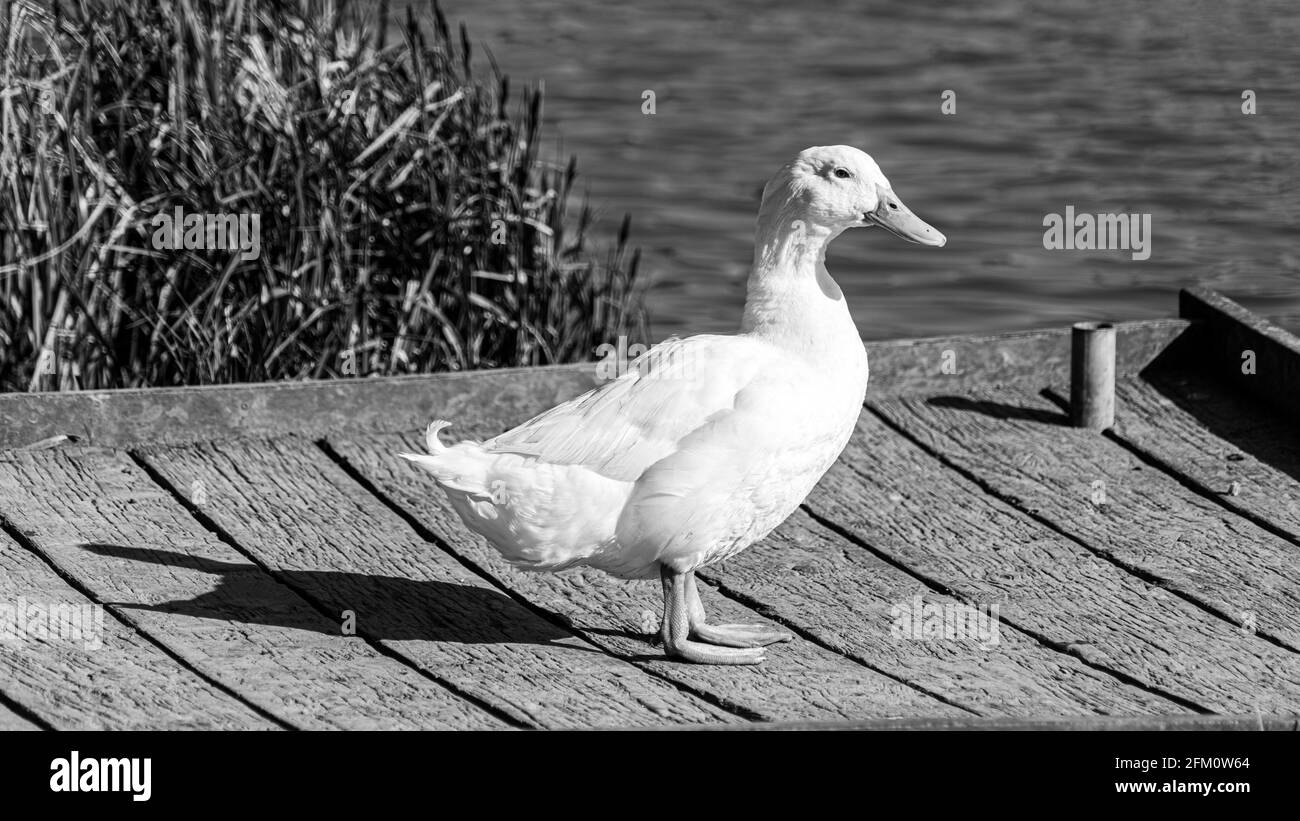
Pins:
<point x="727" y="635"/>
<point x="684" y="620"/>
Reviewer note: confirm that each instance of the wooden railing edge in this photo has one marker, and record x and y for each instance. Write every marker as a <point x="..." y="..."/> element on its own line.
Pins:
<point x="120" y="418"/>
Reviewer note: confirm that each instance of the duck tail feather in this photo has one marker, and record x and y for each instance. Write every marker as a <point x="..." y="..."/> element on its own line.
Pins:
<point x="431" y="440"/>
<point x="434" y="462"/>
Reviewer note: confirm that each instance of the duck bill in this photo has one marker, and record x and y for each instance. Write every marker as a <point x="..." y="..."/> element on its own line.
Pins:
<point x="899" y="220"/>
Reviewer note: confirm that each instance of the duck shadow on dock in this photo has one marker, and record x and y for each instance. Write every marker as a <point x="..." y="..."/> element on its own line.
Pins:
<point x="385" y="607"/>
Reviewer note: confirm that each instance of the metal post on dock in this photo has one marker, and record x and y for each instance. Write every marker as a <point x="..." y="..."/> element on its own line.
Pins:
<point x="1092" y="375"/>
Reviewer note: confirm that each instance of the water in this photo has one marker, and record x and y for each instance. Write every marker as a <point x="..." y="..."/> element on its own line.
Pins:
<point x="1107" y="106"/>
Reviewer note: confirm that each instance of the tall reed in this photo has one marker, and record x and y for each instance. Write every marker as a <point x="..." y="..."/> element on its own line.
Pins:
<point x="408" y="223"/>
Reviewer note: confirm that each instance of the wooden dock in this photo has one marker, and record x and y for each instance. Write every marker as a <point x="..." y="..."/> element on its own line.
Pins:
<point x="263" y="561"/>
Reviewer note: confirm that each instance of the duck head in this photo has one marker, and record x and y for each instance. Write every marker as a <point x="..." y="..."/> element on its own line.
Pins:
<point x="828" y="189"/>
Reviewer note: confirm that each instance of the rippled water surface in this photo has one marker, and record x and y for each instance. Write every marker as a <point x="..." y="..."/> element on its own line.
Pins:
<point x="1107" y="106"/>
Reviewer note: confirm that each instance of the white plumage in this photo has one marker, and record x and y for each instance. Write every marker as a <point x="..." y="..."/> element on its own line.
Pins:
<point x="708" y="442"/>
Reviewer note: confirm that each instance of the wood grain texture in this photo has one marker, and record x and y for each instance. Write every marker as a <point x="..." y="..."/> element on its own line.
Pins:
<point x="1184" y="723"/>
<point x="1230" y="333"/>
<point x="1215" y="437"/>
<point x="496" y="399"/>
<point x="9" y="720"/>
<point x="903" y="502"/>
<point x="107" y="679"/>
<point x="799" y="680"/>
<point x="917" y="366"/>
<point x="101" y="521"/>
<point x="117" y="418"/>
<point x="1020" y="446"/>
<point x="809" y="576"/>
<point x="320" y="532"/>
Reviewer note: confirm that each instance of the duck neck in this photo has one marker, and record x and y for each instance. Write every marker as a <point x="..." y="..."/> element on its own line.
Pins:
<point x="792" y="300"/>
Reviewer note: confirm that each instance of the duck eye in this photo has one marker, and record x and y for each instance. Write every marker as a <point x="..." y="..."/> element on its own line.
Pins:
<point x="843" y="173"/>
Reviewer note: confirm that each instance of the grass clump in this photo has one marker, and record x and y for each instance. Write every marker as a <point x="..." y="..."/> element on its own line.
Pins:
<point x="407" y="224"/>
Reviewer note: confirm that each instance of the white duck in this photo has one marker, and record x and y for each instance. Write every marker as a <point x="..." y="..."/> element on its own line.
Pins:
<point x="708" y="442"/>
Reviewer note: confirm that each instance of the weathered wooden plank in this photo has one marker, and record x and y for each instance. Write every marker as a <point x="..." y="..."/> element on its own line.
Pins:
<point x="809" y="576"/>
<point x="798" y="680"/>
<point x="9" y="720"/>
<point x="101" y="521"/>
<point x="1216" y="439"/>
<point x="302" y="516"/>
<point x="889" y="493"/>
<point x="117" y="418"/>
<point x="1187" y="723"/>
<point x="920" y="366"/>
<point x="103" y="676"/>
<point x="156" y="416"/>
<point x="1244" y="348"/>
<point x="1020" y="446"/>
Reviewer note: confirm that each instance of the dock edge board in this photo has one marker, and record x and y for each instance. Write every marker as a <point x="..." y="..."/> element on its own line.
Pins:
<point x="504" y="397"/>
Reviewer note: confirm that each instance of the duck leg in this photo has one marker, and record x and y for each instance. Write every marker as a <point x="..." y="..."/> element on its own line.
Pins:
<point x="727" y="635"/>
<point x="678" y="628"/>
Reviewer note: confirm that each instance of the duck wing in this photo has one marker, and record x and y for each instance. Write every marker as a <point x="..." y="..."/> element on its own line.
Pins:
<point x="628" y="424"/>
